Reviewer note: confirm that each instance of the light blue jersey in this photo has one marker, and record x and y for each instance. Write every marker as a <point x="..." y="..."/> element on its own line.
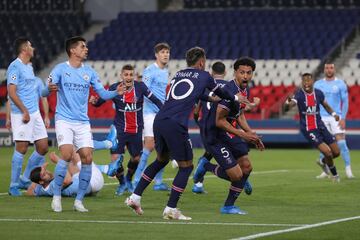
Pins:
<point x="22" y="75"/>
<point x="336" y="95"/>
<point x="69" y="191"/>
<point x="156" y="79"/>
<point x="73" y="91"/>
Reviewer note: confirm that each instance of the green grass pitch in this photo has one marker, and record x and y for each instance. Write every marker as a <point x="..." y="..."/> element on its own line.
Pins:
<point x="286" y="196"/>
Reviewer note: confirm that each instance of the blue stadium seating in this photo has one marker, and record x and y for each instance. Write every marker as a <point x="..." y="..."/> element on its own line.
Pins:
<point x="262" y="34"/>
<point x="46" y="30"/>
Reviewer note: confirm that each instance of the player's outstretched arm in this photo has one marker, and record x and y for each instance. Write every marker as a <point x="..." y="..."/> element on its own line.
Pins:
<point x="289" y="103"/>
<point x="330" y="110"/>
<point x="30" y="190"/>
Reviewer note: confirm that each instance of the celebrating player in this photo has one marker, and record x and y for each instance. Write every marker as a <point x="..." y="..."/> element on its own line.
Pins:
<point x="308" y="101"/>
<point x="171" y="130"/>
<point x="226" y="142"/>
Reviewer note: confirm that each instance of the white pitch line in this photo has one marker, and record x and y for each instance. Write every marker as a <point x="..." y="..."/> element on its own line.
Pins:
<point x="265" y="234"/>
<point x="210" y="176"/>
<point x="145" y="222"/>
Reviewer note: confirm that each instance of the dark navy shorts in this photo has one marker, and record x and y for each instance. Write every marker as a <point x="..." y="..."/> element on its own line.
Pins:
<point x="318" y="136"/>
<point x="173" y="138"/>
<point x="228" y="151"/>
<point x="132" y="141"/>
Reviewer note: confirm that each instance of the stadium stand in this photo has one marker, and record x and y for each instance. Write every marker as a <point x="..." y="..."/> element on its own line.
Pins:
<point x="285" y="42"/>
<point x="286" y="38"/>
<point x="47" y="23"/>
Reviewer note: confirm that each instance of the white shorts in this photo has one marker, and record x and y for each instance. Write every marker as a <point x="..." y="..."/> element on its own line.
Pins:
<point x="97" y="179"/>
<point x="32" y="131"/>
<point x="77" y="134"/>
<point x="148" y="125"/>
<point x="332" y="125"/>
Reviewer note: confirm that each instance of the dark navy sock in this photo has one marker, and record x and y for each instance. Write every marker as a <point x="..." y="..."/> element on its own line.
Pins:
<point x="217" y="170"/>
<point x="179" y="185"/>
<point x="235" y="190"/>
<point x="131" y="168"/>
<point x="148" y="176"/>
<point x="333" y="170"/>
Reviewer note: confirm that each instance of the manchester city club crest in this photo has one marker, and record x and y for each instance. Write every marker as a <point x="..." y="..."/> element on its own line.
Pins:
<point x="86" y="77"/>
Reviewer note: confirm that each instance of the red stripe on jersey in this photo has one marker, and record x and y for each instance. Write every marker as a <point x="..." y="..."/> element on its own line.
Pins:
<point x="310" y="119"/>
<point x="234" y="124"/>
<point x="130" y="117"/>
<point x="244" y="94"/>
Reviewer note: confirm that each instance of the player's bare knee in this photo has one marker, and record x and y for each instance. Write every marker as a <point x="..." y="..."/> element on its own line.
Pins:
<point x="21" y="147"/>
<point x="335" y="153"/>
<point x="235" y="177"/>
<point x="42" y="150"/>
<point x="328" y="154"/>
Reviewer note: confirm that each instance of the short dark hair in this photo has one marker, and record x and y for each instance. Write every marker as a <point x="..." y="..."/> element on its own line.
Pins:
<point x="127" y="67"/>
<point x="328" y="61"/>
<point x="72" y="43"/>
<point x="160" y="46"/>
<point x="306" y="75"/>
<point x="245" y="61"/>
<point x="218" y="68"/>
<point x="193" y="55"/>
<point x="35" y="175"/>
<point x="18" y="44"/>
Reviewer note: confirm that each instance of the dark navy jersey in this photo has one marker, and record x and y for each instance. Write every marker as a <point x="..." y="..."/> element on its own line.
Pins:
<point x="205" y="105"/>
<point x="129" y="107"/>
<point x="211" y="132"/>
<point x="186" y="88"/>
<point x="309" y="109"/>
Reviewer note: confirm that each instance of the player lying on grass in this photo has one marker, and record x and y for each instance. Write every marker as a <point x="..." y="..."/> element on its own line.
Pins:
<point x="312" y="127"/>
<point x="43" y="180"/>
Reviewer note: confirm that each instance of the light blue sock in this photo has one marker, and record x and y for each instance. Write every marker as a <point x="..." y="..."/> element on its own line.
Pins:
<point x="60" y="173"/>
<point x="35" y="160"/>
<point x="344" y="151"/>
<point x="99" y="145"/>
<point x="321" y="156"/>
<point x="159" y="177"/>
<point x="16" y="166"/>
<point x="142" y="165"/>
<point x="84" y="181"/>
